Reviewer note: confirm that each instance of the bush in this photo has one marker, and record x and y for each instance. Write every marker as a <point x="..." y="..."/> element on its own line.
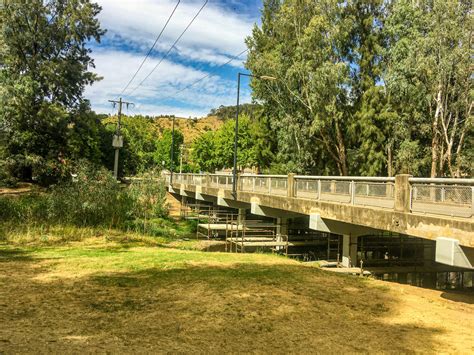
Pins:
<point x="93" y="198"/>
<point x="6" y="178"/>
<point x="149" y="196"/>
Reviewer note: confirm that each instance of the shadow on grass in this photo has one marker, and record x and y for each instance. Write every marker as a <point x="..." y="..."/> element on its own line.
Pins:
<point x="8" y="255"/>
<point x="459" y="296"/>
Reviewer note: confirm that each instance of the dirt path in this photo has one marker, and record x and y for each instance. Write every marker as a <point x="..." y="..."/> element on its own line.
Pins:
<point x="46" y="305"/>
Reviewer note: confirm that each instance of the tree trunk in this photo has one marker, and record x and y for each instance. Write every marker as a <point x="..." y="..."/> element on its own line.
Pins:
<point x="435" y="138"/>
<point x="341" y="151"/>
<point x="389" y="160"/>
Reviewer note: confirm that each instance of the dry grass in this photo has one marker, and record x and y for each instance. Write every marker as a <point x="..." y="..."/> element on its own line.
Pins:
<point x="98" y="296"/>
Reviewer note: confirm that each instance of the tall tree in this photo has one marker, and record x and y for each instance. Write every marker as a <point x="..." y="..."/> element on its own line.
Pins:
<point x="162" y="152"/>
<point x="429" y="75"/>
<point x="215" y="149"/>
<point x="303" y="43"/>
<point x="45" y="66"/>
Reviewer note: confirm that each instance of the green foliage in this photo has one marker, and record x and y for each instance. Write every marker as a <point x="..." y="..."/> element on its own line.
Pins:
<point x="145" y="147"/>
<point x="43" y="73"/>
<point x="149" y="195"/>
<point x="163" y="149"/>
<point x="140" y="141"/>
<point x="204" y="153"/>
<point x="361" y="84"/>
<point x="304" y="45"/>
<point x="429" y="76"/>
<point x="215" y="149"/>
<point x="93" y="198"/>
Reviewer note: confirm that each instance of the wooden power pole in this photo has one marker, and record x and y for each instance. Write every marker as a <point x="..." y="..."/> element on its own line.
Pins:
<point x="117" y="141"/>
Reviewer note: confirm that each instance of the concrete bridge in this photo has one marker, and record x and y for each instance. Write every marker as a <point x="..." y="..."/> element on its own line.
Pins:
<point x="436" y="209"/>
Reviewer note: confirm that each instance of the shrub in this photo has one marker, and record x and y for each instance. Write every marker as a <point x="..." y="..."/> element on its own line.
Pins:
<point x="93" y="198"/>
<point x="149" y="196"/>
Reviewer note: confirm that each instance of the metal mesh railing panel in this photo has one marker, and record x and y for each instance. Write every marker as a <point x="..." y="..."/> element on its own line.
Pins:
<point x="450" y="200"/>
<point x="377" y="194"/>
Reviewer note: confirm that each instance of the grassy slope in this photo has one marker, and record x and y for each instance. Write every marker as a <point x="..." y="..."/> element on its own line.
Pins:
<point x="121" y="295"/>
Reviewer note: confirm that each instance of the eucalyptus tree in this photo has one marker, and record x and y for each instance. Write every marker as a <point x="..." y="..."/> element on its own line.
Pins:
<point x="429" y="77"/>
<point x="325" y="55"/>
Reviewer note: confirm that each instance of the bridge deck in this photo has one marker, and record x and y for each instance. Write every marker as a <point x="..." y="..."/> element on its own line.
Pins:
<point x="400" y="205"/>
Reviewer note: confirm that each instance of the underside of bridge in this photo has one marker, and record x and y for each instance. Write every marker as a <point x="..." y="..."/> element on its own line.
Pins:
<point x="246" y="225"/>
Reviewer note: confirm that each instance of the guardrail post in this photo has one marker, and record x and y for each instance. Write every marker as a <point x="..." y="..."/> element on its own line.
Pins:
<point x="402" y="193"/>
<point x="238" y="183"/>
<point x="352" y="192"/>
<point x="291" y="185"/>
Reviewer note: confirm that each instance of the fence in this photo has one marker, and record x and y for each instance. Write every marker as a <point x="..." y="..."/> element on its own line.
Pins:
<point x="270" y="184"/>
<point x="455" y="199"/>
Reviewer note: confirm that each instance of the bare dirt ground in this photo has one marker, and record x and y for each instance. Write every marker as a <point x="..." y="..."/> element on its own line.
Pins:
<point x="101" y="299"/>
<point x="22" y="188"/>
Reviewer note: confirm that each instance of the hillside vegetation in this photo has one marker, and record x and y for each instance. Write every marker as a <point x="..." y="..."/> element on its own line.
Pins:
<point x="191" y="128"/>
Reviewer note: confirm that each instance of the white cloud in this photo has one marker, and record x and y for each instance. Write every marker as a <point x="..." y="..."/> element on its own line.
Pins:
<point x="214" y="38"/>
<point x="115" y="67"/>
<point x="215" y="30"/>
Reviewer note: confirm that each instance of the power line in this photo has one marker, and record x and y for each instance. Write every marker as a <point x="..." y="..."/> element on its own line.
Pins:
<point x="152" y="47"/>
<point x="172" y="46"/>
<point x="205" y="76"/>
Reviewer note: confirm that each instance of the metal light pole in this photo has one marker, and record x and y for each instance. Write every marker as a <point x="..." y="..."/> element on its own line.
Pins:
<point x="236" y="137"/>
<point x="181" y="147"/>
<point x="172" y="153"/>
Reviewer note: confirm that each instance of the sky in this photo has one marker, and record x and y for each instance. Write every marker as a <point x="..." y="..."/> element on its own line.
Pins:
<point x="215" y="37"/>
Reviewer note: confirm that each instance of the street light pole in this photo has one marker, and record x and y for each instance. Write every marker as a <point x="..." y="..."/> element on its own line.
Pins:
<point x="181" y="147"/>
<point x="236" y="139"/>
<point x="236" y="135"/>
<point x="172" y="153"/>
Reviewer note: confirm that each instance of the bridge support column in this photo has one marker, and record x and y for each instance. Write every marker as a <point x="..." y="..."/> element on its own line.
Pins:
<point x="184" y="205"/>
<point x="349" y="250"/>
<point x="281" y="229"/>
<point x="241" y="216"/>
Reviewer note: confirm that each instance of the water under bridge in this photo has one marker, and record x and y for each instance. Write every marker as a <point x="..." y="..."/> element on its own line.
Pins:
<point x="436" y="209"/>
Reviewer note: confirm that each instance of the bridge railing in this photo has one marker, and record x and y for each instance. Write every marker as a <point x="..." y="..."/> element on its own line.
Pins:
<point x="269" y="184"/>
<point x="453" y="197"/>
<point x="224" y="181"/>
<point x="378" y="192"/>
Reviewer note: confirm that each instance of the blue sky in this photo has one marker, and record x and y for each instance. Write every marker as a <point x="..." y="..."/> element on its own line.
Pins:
<point x="215" y="37"/>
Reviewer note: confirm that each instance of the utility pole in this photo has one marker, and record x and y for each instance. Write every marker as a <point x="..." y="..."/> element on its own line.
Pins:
<point x="117" y="141"/>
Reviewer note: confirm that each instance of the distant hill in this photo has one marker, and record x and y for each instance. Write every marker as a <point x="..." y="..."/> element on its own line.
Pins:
<point x="228" y="112"/>
<point x="190" y="127"/>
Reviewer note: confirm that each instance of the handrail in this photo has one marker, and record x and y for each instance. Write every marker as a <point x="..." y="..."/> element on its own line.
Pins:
<point x="456" y="181"/>
<point x="264" y="176"/>
<point x="346" y="178"/>
<point x="450" y="181"/>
